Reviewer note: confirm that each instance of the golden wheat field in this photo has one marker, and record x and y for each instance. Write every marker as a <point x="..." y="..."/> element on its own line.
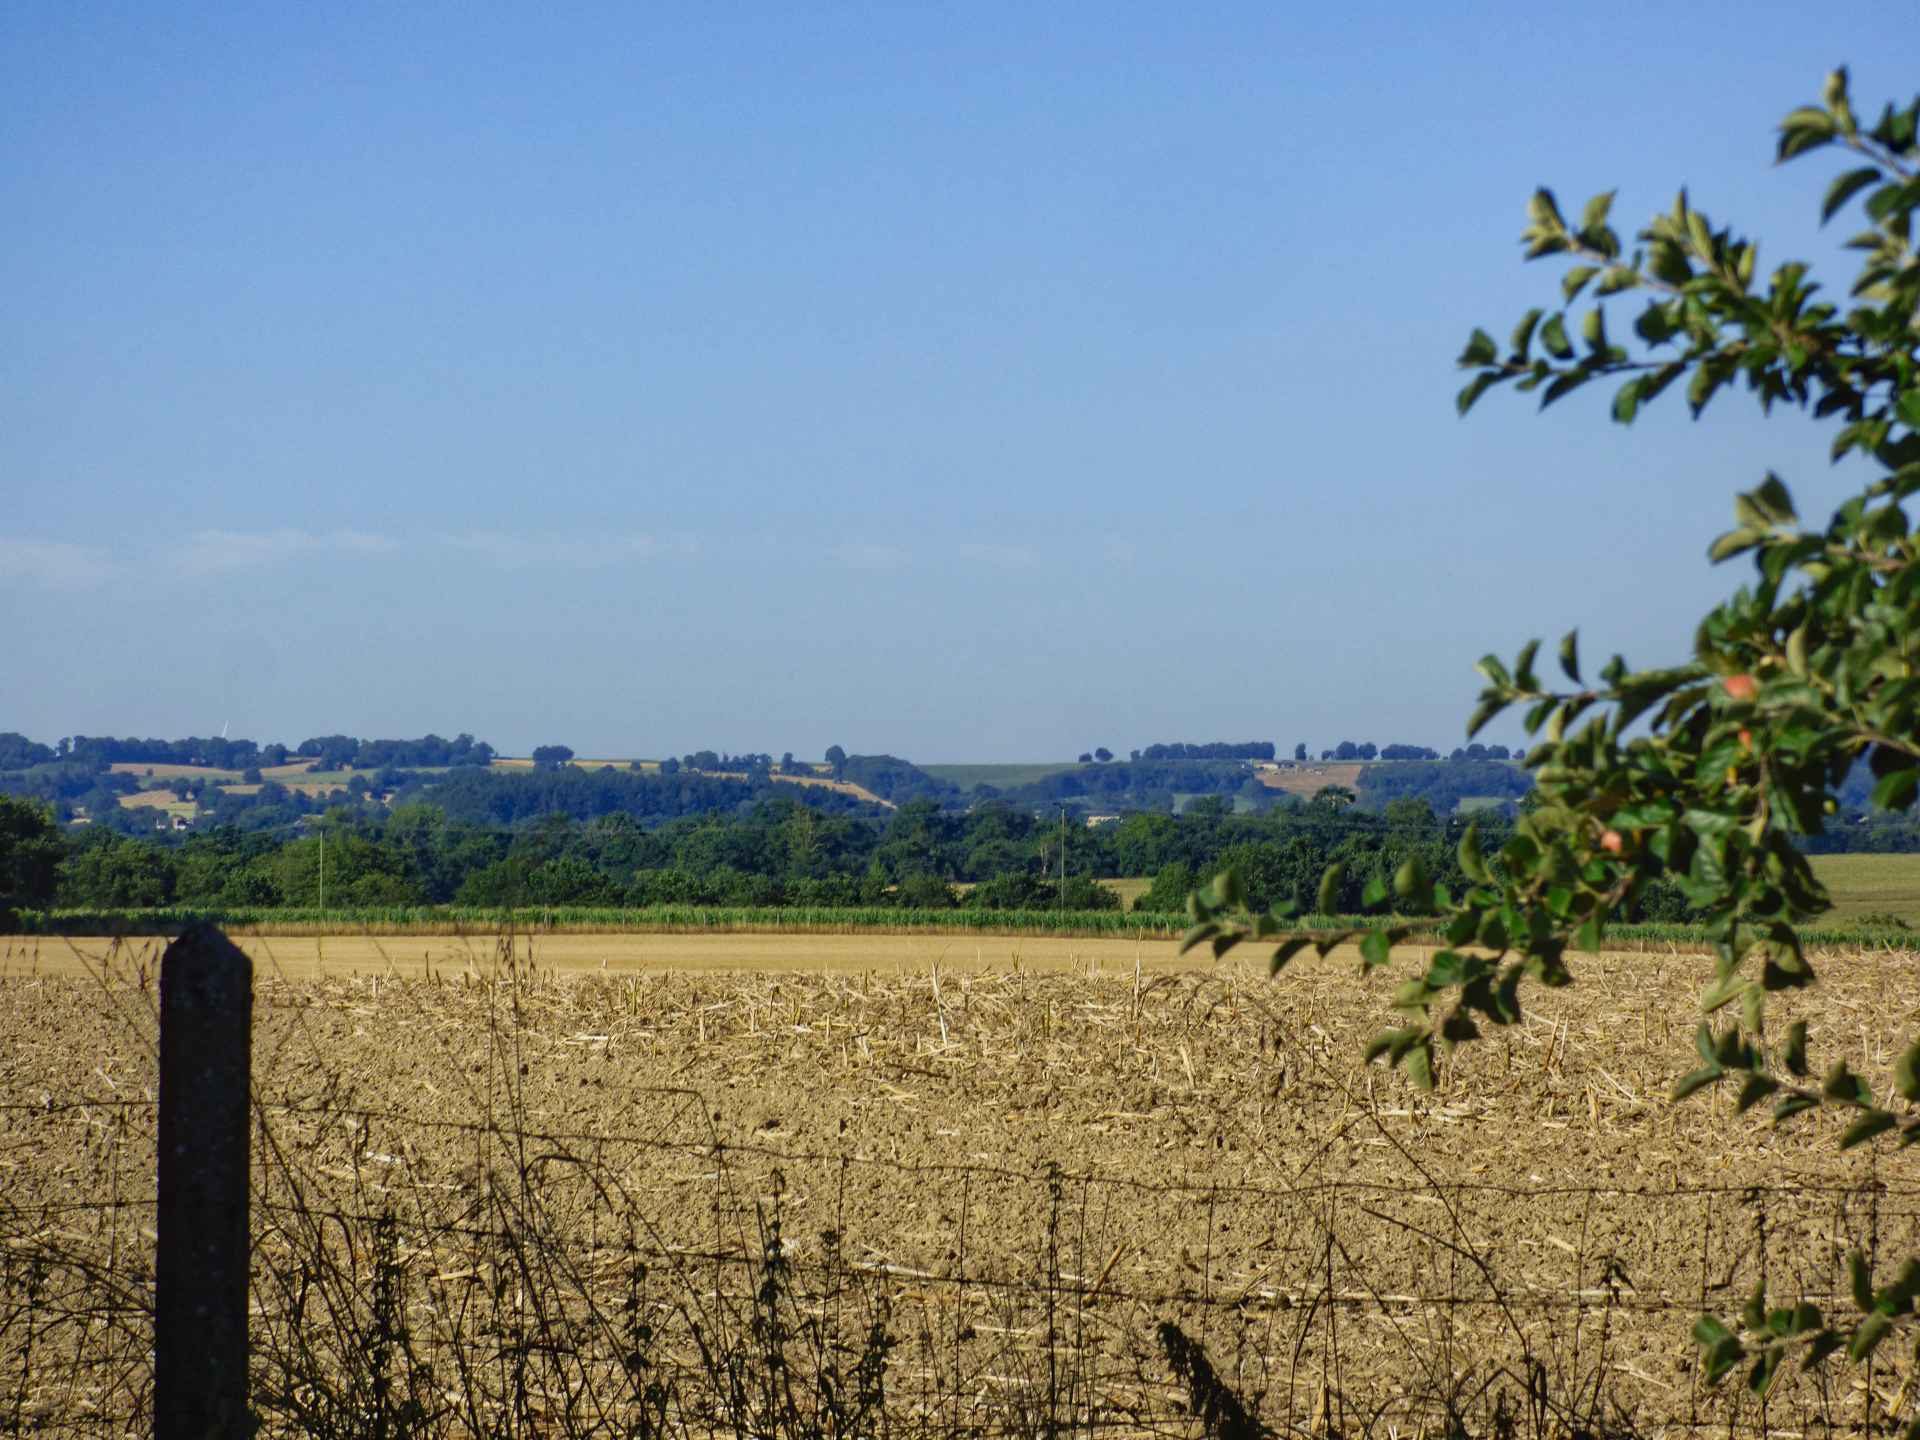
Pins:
<point x="1022" y="1164"/>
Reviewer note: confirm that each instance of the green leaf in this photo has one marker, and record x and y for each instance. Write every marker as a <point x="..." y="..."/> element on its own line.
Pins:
<point x="1897" y="1298"/>
<point x="1618" y="278"/>
<point x="1420" y="1067"/>
<point x="1328" y="901"/>
<point x="1843" y="1085"/>
<point x="1794" y="1054"/>
<point x="1450" y="967"/>
<point x="1458" y="1028"/>
<point x="1873" y="1123"/>
<point x="1570" y="656"/>
<point x="1575" y="280"/>
<point x="1760" y="1378"/>
<point x="1553" y="335"/>
<point x="1844" y="188"/>
<point x="1756" y="1089"/>
<point x="1523" y="333"/>
<point x="1475" y="388"/>
<point x="1372" y="893"/>
<point x="1792" y="1106"/>
<point x="1413" y="886"/>
<point x="1906" y="1073"/>
<point x="1708" y="1331"/>
<point x="1375" y="949"/>
<point x="1754" y="1313"/>
<point x="1722" y="1358"/>
<point x="1197" y="934"/>
<point x="1896" y="791"/>
<point x="1824" y="1344"/>
<point x="1699" y="1079"/>
<point x="1493" y="931"/>
<point x="1480" y="350"/>
<point x="1805" y="129"/>
<point x="1861" y="1280"/>
<point x="1226" y="885"/>
<point x="1472" y="863"/>
<point x="1774" y="500"/>
<point x="1287" y="950"/>
<point x="1734" y="542"/>
<point x="1593" y="329"/>
<point x="1727" y="987"/>
<point x="1866" y="1339"/>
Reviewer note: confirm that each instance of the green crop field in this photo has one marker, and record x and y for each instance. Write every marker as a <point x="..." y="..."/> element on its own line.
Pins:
<point x="1863" y="885"/>
<point x="1001" y="777"/>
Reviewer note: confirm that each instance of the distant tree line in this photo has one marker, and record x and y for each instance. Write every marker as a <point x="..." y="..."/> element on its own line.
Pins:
<point x="333" y="752"/>
<point x="1253" y="750"/>
<point x="1348" y="751"/>
<point x="777" y="853"/>
<point x="1443" y="784"/>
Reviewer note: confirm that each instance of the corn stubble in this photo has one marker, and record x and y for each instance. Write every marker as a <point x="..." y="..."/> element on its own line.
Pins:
<point x="497" y="1202"/>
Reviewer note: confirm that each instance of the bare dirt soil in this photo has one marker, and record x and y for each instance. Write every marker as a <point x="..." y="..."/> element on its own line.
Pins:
<point x="1308" y="779"/>
<point x="1032" y="1170"/>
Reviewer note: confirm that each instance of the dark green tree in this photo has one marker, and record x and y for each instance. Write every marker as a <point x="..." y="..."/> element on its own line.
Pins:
<point x="31" y="850"/>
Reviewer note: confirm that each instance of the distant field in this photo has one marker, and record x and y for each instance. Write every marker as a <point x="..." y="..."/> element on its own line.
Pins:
<point x="168" y="771"/>
<point x="502" y="762"/>
<point x="1309" y="778"/>
<point x="1864" y="885"/>
<point x="1001" y="777"/>
<point x="162" y="799"/>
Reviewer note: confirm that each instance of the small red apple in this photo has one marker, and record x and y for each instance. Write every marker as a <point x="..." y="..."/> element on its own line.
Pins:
<point x="1611" y="842"/>
<point x="1741" y="687"/>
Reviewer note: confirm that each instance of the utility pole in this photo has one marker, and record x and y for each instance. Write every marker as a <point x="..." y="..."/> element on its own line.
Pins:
<point x="1063" y="860"/>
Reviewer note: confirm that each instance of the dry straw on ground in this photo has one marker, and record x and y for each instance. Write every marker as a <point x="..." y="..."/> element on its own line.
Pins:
<point x="945" y="1201"/>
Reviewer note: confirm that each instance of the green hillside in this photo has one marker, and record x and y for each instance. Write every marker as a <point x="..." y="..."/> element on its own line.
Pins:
<point x="1001" y="777"/>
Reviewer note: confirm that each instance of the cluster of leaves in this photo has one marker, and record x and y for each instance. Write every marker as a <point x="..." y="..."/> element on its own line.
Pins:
<point x="1774" y="1334"/>
<point x="1813" y="665"/>
<point x="1707" y="320"/>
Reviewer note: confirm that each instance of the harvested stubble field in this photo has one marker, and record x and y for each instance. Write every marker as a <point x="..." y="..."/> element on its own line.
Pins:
<point x="960" y="1200"/>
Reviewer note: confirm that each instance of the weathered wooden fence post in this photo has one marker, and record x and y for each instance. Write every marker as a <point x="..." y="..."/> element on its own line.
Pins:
<point x="200" y="1320"/>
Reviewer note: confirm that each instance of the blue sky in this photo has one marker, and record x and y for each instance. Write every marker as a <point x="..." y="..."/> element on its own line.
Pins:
<point x="982" y="382"/>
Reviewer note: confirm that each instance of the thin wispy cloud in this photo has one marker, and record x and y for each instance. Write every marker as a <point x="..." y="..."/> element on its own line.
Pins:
<point x="228" y="552"/>
<point x="546" y="548"/>
<point x="52" y="564"/>
<point x="1000" y="557"/>
<point x="871" y="557"/>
